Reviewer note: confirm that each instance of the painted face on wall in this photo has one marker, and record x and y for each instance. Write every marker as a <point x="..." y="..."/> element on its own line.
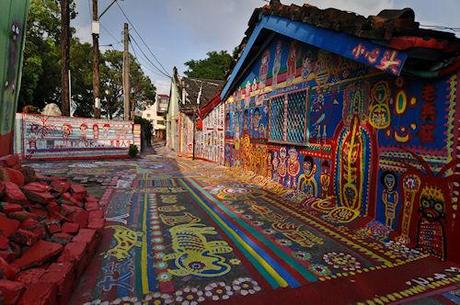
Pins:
<point x="283" y="153"/>
<point x="292" y="154"/>
<point x="309" y="167"/>
<point x="432" y="204"/>
<point x="389" y="181"/>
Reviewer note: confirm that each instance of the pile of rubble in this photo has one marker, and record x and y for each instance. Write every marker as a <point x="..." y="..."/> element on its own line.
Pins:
<point x="49" y="229"/>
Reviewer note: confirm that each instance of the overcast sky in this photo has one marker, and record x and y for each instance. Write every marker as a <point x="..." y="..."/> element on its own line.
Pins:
<point x="179" y="30"/>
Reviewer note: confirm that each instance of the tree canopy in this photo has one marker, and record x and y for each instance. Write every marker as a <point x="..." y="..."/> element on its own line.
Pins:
<point x="214" y="66"/>
<point x="41" y="77"/>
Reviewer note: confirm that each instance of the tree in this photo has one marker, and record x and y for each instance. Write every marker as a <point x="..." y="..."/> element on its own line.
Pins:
<point x="215" y="66"/>
<point x="142" y="90"/>
<point x="40" y="82"/>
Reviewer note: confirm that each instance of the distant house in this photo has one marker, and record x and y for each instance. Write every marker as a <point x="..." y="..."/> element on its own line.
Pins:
<point x="183" y="117"/>
<point x="156" y="113"/>
<point x="361" y="115"/>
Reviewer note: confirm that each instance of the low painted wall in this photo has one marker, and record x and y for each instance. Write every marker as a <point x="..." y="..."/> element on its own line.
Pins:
<point x="40" y="137"/>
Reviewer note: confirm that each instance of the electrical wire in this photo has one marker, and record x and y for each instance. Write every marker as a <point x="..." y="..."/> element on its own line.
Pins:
<point x="147" y="58"/>
<point x="145" y="66"/>
<point x="140" y="36"/>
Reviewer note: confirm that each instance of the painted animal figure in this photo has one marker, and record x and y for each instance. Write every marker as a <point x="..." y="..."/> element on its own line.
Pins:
<point x="126" y="240"/>
<point x="194" y="254"/>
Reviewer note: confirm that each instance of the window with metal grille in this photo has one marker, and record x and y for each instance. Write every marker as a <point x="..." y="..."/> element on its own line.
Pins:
<point x="288" y="118"/>
<point x="277" y="118"/>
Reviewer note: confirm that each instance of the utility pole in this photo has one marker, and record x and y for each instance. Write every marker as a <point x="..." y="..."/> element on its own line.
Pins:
<point x="96" y="77"/>
<point x="126" y="85"/>
<point x="65" y="51"/>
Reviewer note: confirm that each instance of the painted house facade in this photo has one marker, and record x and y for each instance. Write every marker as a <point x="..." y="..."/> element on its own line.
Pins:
<point x="172" y="113"/>
<point x="211" y="143"/>
<point x="364" y="121"/>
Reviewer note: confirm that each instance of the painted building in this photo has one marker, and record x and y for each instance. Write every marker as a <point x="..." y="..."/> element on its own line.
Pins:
<point x="156" y="113"/>
<point x="12" y="38"/>
<point x="190" y="95"/>
<point x="172" y="113"/>
<point x="358" y="113"/>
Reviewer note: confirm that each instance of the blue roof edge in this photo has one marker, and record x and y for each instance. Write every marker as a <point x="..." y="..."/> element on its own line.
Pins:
<point x="361" y="50"/>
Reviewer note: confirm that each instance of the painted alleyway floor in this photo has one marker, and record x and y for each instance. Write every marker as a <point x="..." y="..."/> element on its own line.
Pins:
<point x="190" y="232"/>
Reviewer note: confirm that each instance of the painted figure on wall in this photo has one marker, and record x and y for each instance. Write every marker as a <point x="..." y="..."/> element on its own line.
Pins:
<point x="308" y="65"/>
<point x="325" y="179"/>
<point x="277" y="63"/>
<point x="263" y="72"/>
<point x="293" y="168"/>
<point x="435" y="205"/>
<point x="307" y="182"/>
<point x="275" y="163"/>
<point x="83" y="131"/>
<point x="390" y="197"/>
<point x="292" y="61"/>
<point x="106" y="130"/>
<point x="379" y="111"/>
<point x="282" y="170"/>
<point x="95" y="131"/>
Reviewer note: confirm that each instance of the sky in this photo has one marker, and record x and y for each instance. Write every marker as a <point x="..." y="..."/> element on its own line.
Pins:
<point x="179" y="30"/>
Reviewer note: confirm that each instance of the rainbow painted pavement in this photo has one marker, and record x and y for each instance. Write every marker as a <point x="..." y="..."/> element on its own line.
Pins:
<point x="189" y="232"/>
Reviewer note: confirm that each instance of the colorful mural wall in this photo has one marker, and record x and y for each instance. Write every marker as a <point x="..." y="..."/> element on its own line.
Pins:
<point x="12" y="39"/>
<point x="360" y="143"/>
<point x="40" y="137"/>
<point x="211" y="144"/>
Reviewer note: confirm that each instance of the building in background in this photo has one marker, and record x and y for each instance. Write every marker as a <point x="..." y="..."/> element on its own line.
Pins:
<point x="156" y="113"/>
<point x="183" y="123"/>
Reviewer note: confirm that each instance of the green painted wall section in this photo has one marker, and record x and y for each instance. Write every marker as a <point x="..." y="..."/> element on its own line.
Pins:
<point x="12" y="37"/>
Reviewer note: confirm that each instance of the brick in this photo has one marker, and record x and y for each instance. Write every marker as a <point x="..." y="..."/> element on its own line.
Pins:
<point x="11" y="175"/>
<point x="9" y="161"/>
<point x="38" y="254"/>
<point x="11" y="291"/>
<point x="8" y="226"/>
<point x="92" y="206"/>
<point x="70" y="228"/>
<point x="96" y="214"/>
<point x="9" y="208"/>
<point x="13" y="193"/>
<point x="40" y="294"/>
<point x="4" y="242"/>
<point x="63" y="276"/>
<point x="88" y="236"/>
<point x="6" y="270"/>
<point x="38" y="192"/>
<point x="30" y="276"/>
<point x="60" y="186"/>
<point x="96" y="224"/>
<point x="61" y="238"/>
<point x="53" y="227"/>
<point x="76" y="253"/>
<point x="80" y="216"/>
<point x="22" y="215"/>
<point x="29" y="174"/>
<point x="68" y="209"/>
<point x="24" y="237"/>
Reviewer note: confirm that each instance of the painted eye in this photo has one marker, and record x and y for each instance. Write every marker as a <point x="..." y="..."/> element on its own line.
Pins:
<point x="438" y="207"/>
<point x="425" y="203"/>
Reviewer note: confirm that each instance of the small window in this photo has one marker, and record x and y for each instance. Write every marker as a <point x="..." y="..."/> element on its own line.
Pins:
<point x="288" y="118"/>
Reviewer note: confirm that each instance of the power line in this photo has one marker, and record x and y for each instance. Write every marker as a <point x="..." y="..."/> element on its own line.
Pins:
<point x="145" y="66"/>
<point x="148" y="59"/>
<point x="441" y="27"/>
<point x="143" y="41"/>
<point x="109" y="32"/>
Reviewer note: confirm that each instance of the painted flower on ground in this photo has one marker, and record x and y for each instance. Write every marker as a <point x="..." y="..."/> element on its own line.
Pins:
<point x="218" y="291"/>
<point x="302" y="255"/>
<point x="269" y="231"/>
<point x="284" y="242"/>
<point x="161" y="265"/>
<point x="235" y="261"/>
<point x="342" y="261"/>
<point x="157" y="240"/>
<point x="164" y="276"/>
<point x="247" y="216"/>
<point x="126" y="301"/>
<point x="157" y="298"/>
<point x="159" y="255"/>
<point x="157" y="233"/>
<point x="158" y="247"/>
<point x="258" y="223"/>
<point x="189" y="296"/>
<point x="245" y="286"/>
<point x="320" y="270"/>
